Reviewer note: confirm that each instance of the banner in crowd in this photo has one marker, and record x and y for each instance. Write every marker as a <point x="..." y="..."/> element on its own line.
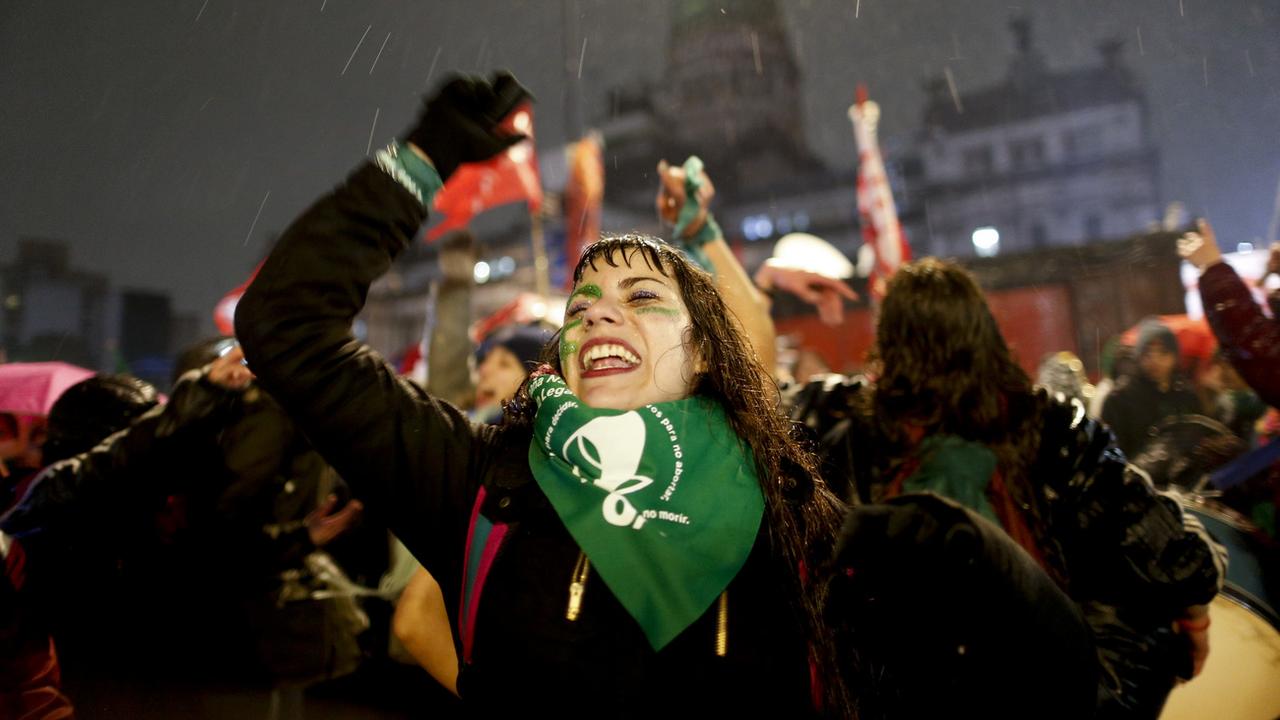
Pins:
<point x="510" y="177"/>
<point x="583" y="195"/>
<point x="224" y="313"/>
<point x="876" y="210"/>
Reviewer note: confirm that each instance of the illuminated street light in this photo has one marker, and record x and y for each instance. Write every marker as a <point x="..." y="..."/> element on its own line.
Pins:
<point x="986" y="241"/>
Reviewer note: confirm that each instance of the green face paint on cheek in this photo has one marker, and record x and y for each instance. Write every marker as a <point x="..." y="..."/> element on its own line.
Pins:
<point x="666" y="312"/>
<point x="567" y="346"/>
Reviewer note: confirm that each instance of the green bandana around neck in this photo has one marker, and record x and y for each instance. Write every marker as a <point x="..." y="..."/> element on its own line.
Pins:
<point x="663" y="499"/>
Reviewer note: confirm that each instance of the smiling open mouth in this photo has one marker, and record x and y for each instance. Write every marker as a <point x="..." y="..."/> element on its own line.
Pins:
<point x="606" y="356"/>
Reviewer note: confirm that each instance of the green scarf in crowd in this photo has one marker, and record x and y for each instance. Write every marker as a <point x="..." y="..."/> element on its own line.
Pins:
<point x="662" y="499"/>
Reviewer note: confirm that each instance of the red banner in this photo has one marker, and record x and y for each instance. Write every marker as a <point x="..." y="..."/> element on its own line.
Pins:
<point x="510" y="177"/>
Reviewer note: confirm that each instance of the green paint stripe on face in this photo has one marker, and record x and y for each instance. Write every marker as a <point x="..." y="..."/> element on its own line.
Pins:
<point x="589" y="290"/>
<point x="567" y="346"/>
<point x="668" y="312"/>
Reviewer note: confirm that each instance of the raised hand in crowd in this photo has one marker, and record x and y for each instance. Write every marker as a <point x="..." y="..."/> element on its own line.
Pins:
<point x="827" y="294"/>
<point x="1249" y="339"/>
<point x="323" y="524"/>
<point x="1200" y="246"/>
<point x="697" y="233"/>
<point x="229" y="370"/>
<point x="461" y="123"/>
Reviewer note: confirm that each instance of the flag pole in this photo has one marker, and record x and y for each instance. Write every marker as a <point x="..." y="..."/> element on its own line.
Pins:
<point x="541" y="268"/>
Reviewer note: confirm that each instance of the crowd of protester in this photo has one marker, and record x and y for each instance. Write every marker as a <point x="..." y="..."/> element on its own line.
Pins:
<point x="310" y="533"/>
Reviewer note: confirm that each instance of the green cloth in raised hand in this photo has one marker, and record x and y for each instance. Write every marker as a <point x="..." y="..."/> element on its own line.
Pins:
<point x="663" y="499"/>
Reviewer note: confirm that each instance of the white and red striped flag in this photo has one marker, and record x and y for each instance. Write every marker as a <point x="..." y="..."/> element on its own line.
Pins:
<point x="880" y="228"/>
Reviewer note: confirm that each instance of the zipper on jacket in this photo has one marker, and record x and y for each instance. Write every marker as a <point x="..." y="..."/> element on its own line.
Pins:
<point x="577" y="586"/>
<point x="722" y="625"/>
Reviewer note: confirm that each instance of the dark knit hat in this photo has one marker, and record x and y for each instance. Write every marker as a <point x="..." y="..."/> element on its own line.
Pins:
<point x="1153" y="331"/>
<point x="523" y="341"/>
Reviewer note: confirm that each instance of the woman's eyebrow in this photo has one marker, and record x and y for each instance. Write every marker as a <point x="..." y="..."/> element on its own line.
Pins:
<point x="628" y="282"/>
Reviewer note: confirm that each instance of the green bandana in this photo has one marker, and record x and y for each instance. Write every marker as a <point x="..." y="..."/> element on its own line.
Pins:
<point x="956" y="468"/>
<point x="662" y="499"/>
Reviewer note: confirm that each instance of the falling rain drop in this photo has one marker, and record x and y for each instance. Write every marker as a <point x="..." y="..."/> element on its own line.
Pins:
<point x="373" y="127"/>
<point x="955" y="94"/>
<point x="255" y="219"/>
<point x="431" y="70"/>
<point x="356" y="50"/>
<point x="379" y="55"/>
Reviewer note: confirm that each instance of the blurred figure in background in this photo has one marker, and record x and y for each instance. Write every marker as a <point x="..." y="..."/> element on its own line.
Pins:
<point x="504" y="360"/>
<point x="1249" y="339"/>
<point x="1061" y="374"/>
<point x="1155" y="392"/>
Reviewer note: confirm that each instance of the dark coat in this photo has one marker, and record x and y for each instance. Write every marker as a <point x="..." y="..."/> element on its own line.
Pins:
<point x="1131" y="565"/>
<point x="1137" y="406"/>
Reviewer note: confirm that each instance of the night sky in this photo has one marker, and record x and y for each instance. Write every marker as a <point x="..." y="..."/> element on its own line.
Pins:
<point x="167" y="140"/>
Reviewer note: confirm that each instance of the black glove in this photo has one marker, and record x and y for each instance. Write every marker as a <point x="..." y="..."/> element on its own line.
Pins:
<point x="459" y="123"/>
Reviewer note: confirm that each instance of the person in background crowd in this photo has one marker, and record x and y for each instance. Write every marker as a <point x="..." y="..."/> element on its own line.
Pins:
<point x="1155" y="392"/>
<point x="22" y="440"/>
<point x="503" y="361"/>
<point x="30" y="678"/>
<point x="1229" y="400"/>
<point x="91" y="520"/>
<point x="1117" y="363"/>
<point x="951" y="413"/>
<point x="1249" y="339"/>
<point x="1251" y="342"/>
<point x="1061" y="374"/>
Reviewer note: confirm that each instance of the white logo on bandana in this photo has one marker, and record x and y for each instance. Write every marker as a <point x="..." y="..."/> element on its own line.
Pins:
<point x="613" y="446"/>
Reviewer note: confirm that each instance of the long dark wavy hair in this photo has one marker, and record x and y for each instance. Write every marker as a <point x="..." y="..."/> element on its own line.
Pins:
<point x="946" y="369"/>
<point x="802" y="515"/>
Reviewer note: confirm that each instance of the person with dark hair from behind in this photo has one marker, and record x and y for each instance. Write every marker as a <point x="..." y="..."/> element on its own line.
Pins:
<point x="1155" y="392"/>
<point x="952" y="429"/>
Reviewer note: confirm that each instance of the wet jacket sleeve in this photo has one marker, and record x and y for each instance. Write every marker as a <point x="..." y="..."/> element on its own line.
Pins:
<point x="1125" y="544"/>
<point x="130" y="467"/>
<point x="1250" y="339"/>
<point x="414" y="460"/>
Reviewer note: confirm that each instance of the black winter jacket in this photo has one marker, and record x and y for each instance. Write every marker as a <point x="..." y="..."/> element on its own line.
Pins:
<point x="417" y="462"/>
<point x="1132" y="563"/>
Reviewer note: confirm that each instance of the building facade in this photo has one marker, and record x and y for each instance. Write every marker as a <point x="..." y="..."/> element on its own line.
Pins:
<point x="1044" y="159"/>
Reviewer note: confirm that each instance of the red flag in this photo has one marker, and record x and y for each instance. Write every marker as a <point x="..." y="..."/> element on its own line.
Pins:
<point x="224" y="313"/>
<point x="880" y="228"/>
<point x="510" y="177"/>
<point x="583" y="194"/>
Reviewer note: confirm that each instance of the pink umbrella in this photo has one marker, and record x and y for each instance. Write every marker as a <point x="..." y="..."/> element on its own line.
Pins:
<point x="32" y="388"/>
